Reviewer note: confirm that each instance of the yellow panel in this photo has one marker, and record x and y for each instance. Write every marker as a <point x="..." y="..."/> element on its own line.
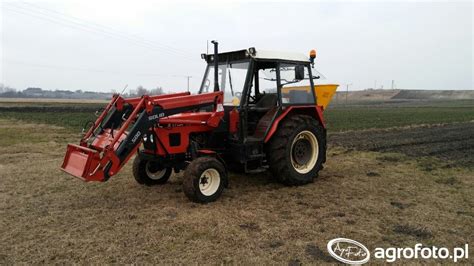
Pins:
<point x="324" y="92"/>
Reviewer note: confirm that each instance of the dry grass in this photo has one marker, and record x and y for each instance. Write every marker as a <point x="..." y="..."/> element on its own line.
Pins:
<point x="49" y="217"/>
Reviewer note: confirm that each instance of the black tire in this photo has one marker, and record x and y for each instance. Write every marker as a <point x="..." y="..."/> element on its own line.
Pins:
<point x="150" y="173"/>
<point x="284" y="150"/>
<point x="193" y="185"/>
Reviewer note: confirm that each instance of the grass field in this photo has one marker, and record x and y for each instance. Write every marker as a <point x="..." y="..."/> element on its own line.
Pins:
<point x="357" y="118"/>
<point x="341" y="118"/>
<point x="381" y="187"/>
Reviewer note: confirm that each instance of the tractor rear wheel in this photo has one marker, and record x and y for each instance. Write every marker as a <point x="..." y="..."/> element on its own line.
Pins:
<point x="204" y="180"/>
<point x="150" y="173"/>
<point x="297" y="151"/>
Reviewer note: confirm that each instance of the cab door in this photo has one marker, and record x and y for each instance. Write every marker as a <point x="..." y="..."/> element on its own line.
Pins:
<point x="260" y="104"/>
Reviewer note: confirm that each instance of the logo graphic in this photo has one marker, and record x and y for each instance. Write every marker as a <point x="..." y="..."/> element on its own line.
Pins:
<point x="138" y="134"/>
<point x="348" y="251"/>
<point x="156" y="116"/>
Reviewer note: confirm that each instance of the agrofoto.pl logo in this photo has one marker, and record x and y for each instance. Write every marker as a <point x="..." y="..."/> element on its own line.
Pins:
<point x="352" y="252"/>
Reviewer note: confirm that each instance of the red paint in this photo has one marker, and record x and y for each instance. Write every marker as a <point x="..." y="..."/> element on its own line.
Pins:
<point x="88" y="161"/>
<point x="207" y="152"/>
<point x="311" y="110"/>
<point x="233" y="121"/>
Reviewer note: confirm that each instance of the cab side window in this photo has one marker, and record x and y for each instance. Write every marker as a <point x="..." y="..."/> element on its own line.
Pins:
<point x="267" y="80"/>
<point x="295" y="84"/>
<point x="263" y="90"/>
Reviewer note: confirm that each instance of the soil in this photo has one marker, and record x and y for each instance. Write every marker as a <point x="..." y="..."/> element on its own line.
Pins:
<point x="452" y="143"/>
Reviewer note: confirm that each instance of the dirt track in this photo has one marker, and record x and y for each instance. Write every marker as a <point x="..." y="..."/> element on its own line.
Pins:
<point x="453" y="143"/>
<point x="48" y="217"/>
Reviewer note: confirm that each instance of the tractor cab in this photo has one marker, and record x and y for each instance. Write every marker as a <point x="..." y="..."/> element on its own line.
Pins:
<point x="259" y="85"/>
<point x="260" y="88"/>
<point x="248" y="76"/>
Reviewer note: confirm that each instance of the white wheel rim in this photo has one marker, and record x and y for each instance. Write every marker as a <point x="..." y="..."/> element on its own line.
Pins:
<point x="157" y="175"/>
<point x="304" y="168"/>
<point x="209" y="182"/>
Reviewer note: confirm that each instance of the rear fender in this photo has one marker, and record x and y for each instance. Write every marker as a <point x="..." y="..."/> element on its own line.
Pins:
<point x="311" y="110"/>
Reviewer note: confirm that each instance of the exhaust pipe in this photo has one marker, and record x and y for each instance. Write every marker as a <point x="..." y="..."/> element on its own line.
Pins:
<point x="216" y="65"/>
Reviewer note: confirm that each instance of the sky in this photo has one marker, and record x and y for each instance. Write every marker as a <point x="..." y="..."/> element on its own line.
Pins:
<point x="106" y="45"/>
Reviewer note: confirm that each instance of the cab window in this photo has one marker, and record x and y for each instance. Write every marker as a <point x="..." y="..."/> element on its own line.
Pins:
<point x="295" y="84"/>
<point x="231" y="81"/>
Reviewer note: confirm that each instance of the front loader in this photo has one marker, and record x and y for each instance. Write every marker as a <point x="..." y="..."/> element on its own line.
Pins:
<point x="255" y="110"/>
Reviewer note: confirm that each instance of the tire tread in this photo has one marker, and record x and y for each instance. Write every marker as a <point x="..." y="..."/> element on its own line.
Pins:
<point x="277" y="149"/>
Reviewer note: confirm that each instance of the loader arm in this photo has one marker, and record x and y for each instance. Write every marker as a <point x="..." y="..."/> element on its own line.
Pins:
<point x="117" y="133"/>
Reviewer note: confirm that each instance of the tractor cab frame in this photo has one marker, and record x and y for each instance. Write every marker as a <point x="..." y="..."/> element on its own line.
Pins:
<point x="260" y="89"/>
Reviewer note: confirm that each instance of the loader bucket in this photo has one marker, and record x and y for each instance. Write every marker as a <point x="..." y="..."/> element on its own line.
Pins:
<point x="82" y="163"/>
<point x="324" y="93"/>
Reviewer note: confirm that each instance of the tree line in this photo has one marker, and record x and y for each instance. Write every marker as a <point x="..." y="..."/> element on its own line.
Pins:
<point x="34" y="92"/>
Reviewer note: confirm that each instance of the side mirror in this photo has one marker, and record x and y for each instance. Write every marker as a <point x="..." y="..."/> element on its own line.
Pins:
<point x="299" y="72"/>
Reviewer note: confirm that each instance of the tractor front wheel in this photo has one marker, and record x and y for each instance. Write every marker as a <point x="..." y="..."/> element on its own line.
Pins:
<point x="150" y="173"/>
<point x="204" y="180"/>
<point x="297" y="151"/>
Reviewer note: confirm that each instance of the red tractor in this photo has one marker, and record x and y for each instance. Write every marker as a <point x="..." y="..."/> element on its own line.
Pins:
<point x="255" y="110"/>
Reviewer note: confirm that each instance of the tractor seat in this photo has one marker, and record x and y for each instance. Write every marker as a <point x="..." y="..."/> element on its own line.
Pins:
<point x="266" y="102"/>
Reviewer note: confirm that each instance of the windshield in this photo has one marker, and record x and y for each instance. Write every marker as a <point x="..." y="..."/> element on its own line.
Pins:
<point x="231" y="80"/>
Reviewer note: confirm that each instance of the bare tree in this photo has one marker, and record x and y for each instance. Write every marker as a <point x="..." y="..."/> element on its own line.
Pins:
<point x="141" y="91"/>
<point x="156" y="91"/>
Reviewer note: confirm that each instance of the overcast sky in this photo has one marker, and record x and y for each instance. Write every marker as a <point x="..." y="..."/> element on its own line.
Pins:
<point x="104" y="45"/>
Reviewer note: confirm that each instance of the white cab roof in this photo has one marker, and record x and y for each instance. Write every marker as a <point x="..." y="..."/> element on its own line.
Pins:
<point x="265" y="54"/>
